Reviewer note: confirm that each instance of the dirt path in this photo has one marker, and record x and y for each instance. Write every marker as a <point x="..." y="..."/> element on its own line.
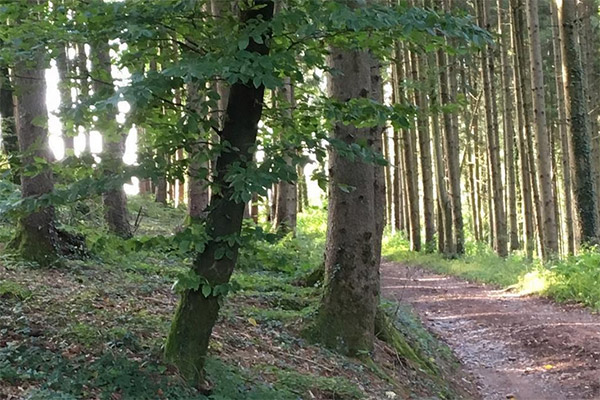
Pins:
<point x="526" y="347"/>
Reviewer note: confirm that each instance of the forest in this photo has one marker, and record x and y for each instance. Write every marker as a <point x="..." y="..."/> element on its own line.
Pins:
<point x="299" y="199"/>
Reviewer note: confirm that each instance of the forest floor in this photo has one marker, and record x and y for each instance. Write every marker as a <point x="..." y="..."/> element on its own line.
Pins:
<point x="94" y="329"/>
<point x="515" y="346"/>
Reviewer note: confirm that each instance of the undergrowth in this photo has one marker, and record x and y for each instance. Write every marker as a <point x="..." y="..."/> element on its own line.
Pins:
<point x="95" y="328"/>
<point x="572" y="279"/>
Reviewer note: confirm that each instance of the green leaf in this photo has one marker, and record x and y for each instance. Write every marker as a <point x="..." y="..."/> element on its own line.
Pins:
<point x="206" y="290"/>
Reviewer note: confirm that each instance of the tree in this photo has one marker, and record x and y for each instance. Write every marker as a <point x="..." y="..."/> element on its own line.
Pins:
<point x="573" y="78"/>
<point x="543" y="142"/>
<point x="36" y="237"/>
<point x="10" y="143"/>
<point x="351" y="288"/>
<point x="197" y="312"/>
<point x="114" y="197"/>
<point x="487" y="67"/>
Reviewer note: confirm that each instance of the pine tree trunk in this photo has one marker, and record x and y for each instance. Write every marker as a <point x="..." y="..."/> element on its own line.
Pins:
<point x="187" y="343"/>
<point x="114" y="197"/>
<point x="84" y="88"/>
<point x="509" y="131"/>
<point x="62" y="65"/>
<point x="524" y="112"/>
<point x="539" y="104"/>
<point x="418" y="68"/>
<point x="287" y="201"/>
<point x="563" y="131"/>
<point x="495" y="167"/>
<point x="410" y="161"/>
<point x="573" y="78"/>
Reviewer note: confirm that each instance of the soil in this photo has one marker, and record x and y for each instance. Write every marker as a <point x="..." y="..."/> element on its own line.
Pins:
<point x="515" y="347"/>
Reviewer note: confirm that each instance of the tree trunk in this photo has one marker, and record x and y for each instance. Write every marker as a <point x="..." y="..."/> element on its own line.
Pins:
<point x="287" y="200"/>
<point x="509" y="130"/>
<point x="544" y="161"/>
<point x="196" y="314"/>
<point x="199" y="168"/>
<point x="62" y="65"/>
<point x="84" y="88"/>
<point x="563" y="130"/>
<point x="573" y="78"/>
<point x="524" y="129"/>
<point x="114" y="198"/>
<point x="497" y="194"/>
<point x="10" y="143"/>
<point x="410" y="161"/>
<point x="351" y="289"/>
<point x="36" y="237"/>
<point x="418" y="68"/>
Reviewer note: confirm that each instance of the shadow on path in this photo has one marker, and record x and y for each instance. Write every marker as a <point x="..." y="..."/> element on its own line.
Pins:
<point x="527" y="347"/>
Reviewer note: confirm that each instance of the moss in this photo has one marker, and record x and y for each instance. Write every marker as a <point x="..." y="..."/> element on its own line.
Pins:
<point x="34" y="247"/>
<point x="322" y="387"/>
<point x="386" y="331"/>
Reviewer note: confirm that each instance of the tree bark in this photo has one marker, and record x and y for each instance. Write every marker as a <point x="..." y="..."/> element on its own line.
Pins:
<point x="563" y="131"/>
<point x="287" y="200"/>
<point x="10" y="143"/>
<point x="487" y="66"/>
<point x="36" y="237"/>
<point x="351" y="289"/>
<point x="544" y="161"/>
<point x="410" y="161"/>
<point x="418" y="68"/>
<point x="509" y="130"/>
<point x="187" y="343"/>
<point x="66" y="103"/>
<point x="573" y="78"/>
<point x="114" y="198"/>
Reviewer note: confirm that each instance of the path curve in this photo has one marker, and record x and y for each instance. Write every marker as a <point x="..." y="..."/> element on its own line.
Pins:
<point x="522" y="346"/>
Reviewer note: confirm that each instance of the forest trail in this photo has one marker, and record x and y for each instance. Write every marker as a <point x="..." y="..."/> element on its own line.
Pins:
<point x="522" y="346"/>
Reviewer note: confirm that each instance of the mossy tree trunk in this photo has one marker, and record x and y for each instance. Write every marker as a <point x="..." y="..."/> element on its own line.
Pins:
<point x="36" y="237"/>
<point x="192" y="325"/>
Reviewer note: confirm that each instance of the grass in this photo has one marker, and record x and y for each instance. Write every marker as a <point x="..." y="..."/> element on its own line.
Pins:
<point x="572" y="279"/>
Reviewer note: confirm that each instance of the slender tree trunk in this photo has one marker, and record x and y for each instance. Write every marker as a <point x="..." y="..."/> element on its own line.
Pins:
<point x="573" y="78"/>
<point x="410" y="162"/>
<point x="500" y="234"/>
<point x="563" y="131"/>
<point x="10" y="143"/>
<point x="66" y="103"/>
<point x="114" y="198"/>
<point x="524" y="108"/>
<point x="84" y="88"/>
<point x="199" y="168"/>
<point x="544" y="162"/>
<point x="287" y="201"/>
<point x="196" y="314"/>
<point x="377" y="137"/>
<point x="419" y="66"/>
<point x="509" y="131"/>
